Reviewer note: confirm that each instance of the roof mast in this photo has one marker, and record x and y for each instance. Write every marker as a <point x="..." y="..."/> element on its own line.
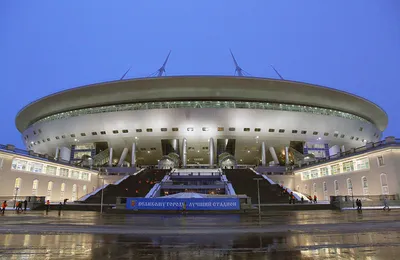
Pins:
<point x="161" y="71"/>
<point x="123" y="76"/>
<point x="277" y="72"/>
<point x="240" y="72"/>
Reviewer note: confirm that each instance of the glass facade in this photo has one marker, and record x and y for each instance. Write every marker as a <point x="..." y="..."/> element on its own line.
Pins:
<point x="43" y="168"/>
<point x="202" y="104"/>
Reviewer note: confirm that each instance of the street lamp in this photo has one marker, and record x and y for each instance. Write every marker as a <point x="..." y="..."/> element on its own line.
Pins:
<point x="102" y="195"/>
<point x="352" y="196"/>
<point x="258" y="192"/>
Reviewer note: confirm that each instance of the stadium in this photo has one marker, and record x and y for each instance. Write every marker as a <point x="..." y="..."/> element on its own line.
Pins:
<point x="198" y="121"/>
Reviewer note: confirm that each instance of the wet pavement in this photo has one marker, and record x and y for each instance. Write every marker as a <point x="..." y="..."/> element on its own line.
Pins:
<point x="276" y="235"/>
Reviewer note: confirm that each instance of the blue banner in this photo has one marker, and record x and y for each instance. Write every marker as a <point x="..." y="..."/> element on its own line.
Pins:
<point x="182" y="204"/>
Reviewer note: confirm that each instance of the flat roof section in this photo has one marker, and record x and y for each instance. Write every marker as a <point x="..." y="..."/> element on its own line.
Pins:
<point x="175" y="88"/>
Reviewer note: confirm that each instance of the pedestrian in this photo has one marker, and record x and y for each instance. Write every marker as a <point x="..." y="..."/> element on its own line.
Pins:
<point x="47" y="206"/>
<point x="60" y="208"/>
<point x="385" y="204"/>
<point x="290" y="199"/>
<point x="25" y="204"/>
<point x="3" y="207"/>
<point x="294" y="199"/>
<point x="360" y="205"/>
<point x="315" y="198"/>
<point x="20" y="206"/>
<point x="17" y="206"/>
<point x="302" y="199"/>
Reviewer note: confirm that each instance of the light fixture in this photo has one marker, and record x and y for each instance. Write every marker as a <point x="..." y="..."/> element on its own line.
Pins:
<point x="257" y="137"/>
<point x="319" y="138"/>
<point x="248" y="151"/>
<point x="148" y="151"/>
<point x="135" y="137"/>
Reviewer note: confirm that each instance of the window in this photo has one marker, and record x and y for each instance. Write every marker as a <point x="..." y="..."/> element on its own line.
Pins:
<point x="142" y="149"/>
<point x="17" y="186"/>
<point x="315" y="133"/>
<point x="324" y="171"/>
<point x="35" y="186"/>
<point x="220" y="129"/>
<point x="191" y="149"/>
<point x="74" y="191"/>
<point x="303" y="132"/>
<point x="271" y="130"/>
<point x="362" y="164"/>
<point x="72" y="135"/>
<point x="49" y="190"/>
<point x="62" y="191"/>
<point x="153" y="148"/>
<point x="246" y="129"/>
<point x="381" y="162"/>
<point x="164" y="129"/>
<point x="364" y="183"/>
<point x="352" y="138"/>
<point x="175" y="129"/>
<point x="84" y="190"/>
<point x="103" y="132"/>
<point x="306" y="175"/>
<point x="38" y="142"/>
<point x="257" y="129"/>
<point x="40" y="131"/>
<point x="64" y="172"/>
<point x="342" y="136"/>
<point x="335" y="169"/>
<point x="138" y="130"/>
<point x="314" y="173"/>
<point x="83" y="134"/>
<point x="149" y="130"/>
<point x="48" y="139"/>
<point x="357" y="138"/>
<point x="1" y="162"/>
<point x="361" y="129"/>
<point x="294" y="131"/>
<point x="384" y="184"/>
<point x="57" y="137"/>
<point x="324" y="187"/>
<point x="34" y="132"/>
<point x="232" y="129"/>
<point x="35" y="167"/>
<point x="349" y="187"/>
<point x="125" y="131"/>
<point x="75" y="174"/>
<point x="205" y="129"/>
<point x="326" y="134"/>
<point x="336" y="187"/>
<point x="51" y="170"/>
<point x="205" y="148"/>
<point x="315" y="188"/>
<point x="94" y="133"/>
<point x="348" y="166"/>
<point x="335" y="134"/>
<point x="281" y="131"/>
<point x="63" y="136"/>
<point x="115" y="131"/>
<point x="190" y="129"/>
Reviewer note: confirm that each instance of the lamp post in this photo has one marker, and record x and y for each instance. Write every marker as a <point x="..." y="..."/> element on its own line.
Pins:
<point x="15" y="195"/>
<point x="352" y="196"/>
<point x="102" y="195"/>
<point x="258" y="192"/>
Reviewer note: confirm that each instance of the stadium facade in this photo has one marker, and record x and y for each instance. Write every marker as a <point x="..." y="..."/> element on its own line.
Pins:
<point x="198" y="120"/>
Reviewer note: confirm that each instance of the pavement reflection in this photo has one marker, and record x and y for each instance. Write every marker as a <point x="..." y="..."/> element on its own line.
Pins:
<point x="363" y="244"/>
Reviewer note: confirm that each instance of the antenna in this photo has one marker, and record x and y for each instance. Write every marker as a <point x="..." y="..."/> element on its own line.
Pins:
<point x="277" y="72"/>
<point x="123" y="76"/>
<point x="161" y="70"/>
<point x="240" y="72"/>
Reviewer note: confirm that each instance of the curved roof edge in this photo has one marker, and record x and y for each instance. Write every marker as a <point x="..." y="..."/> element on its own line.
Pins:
<point x="22" y="118"/>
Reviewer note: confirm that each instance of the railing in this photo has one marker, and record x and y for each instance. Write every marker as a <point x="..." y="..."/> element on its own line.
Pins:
<point x="352" y="152"/>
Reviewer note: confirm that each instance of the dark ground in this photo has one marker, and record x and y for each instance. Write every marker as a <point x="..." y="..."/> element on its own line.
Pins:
<point x="277" y="235"/>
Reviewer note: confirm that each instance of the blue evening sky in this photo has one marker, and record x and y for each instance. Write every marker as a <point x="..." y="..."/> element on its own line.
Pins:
<point x="48" y="46"/>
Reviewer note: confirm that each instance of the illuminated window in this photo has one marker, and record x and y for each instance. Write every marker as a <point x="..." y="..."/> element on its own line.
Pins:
<point x="381" y="162"/>
<point x="49" y="190"/>
<point x="149" y="130"/>
<point x="315" y="133"/>
<point x="257" y="129"/>
<point x="175" y="129"/>
<point x="326" y="134"/>
<point x="35" y="186"/>
<point x="74" y="192"/>
<point x="62" y="192"/>
<point x="17" y="186"/>
<point x="220" y="129"/>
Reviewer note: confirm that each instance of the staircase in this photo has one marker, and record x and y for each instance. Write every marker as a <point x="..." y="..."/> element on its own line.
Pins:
<point x="133" y="186"/>
<point x="243" y="183"/>
<point x="101" y="158"/>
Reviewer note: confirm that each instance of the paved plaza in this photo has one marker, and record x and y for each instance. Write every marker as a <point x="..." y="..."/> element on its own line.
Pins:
<point x="276" y="235"/>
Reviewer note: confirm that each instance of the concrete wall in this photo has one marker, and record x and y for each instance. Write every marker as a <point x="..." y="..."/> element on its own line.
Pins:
<point x="373" y="174"/>
<point x="8" y="177"/>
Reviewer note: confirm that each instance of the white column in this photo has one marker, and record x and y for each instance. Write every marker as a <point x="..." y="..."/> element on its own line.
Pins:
<point x="273" y="153"/>
<point x="287" y="155"/>
<point x="57" y="153"/>
<point x="110" y="157"/>
<point x="263" y="155"/>
<point x="184" y="153"/>
<point x="133" y="159"/>
<point x="211" y="150"/>
<point x="123" y="156"/>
